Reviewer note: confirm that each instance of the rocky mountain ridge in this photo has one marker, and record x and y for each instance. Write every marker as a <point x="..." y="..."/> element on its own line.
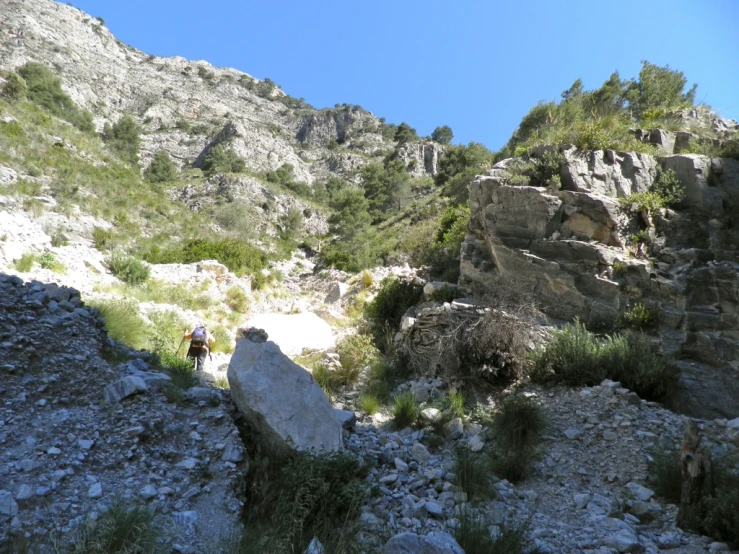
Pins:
<point x="187" y="107"/>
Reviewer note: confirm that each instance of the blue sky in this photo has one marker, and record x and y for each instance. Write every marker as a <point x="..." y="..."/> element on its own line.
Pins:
<point x="477" y="66"/>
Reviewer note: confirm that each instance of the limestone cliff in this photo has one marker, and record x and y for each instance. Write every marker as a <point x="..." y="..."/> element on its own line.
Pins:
<point x="574" y="250"/>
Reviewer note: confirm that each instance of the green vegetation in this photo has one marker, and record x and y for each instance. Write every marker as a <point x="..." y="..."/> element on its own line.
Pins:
<point x="237" y="300"/>
<point x="123" y="321"/>
<point x="223" y="343"/>
<point x="15" y="87"/>
<point x="577" y="357"/>
<point x="123" y="529"/>
<point x="405" y="410"/>
<point x="387" y="187"/>
<point x="391" y="302"/>
<point x="518" y="426"/>
<point x="128" y="269"/>
<point x="369" y="403"/>
<point x="124" y="138"/>
<point x="443" y="134"/>
<point x="47" y="260"/>
<point x="458" y="167"/>
<point x="161" y="169"/>
<point x="350" y="222"/>
<point x="357" y="352"/>
<point x="45" y="89"/>
<point x="669" y="188"/>
<point x="238" y="255"/>
<point x="601" y="118"/>
<point x="665" y="474"/>
<point x="472" y="474"/>
<point x="443" y="254"/>
<point x="404" y="133"/>
<point x="161" y="292"/>
<point x="25" y="263"/>
<point x="221" y="160"/>
<point x="473" y="535"/>
<point x="640" y="316"/>
<point x="293" y="500"/>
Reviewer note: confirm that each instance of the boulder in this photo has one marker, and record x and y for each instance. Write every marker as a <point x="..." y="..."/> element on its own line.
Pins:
<point x="281" y="401"/>
<point x="433" y="543"/>
<point x="337" y="292"/>
<point x="347" y="418"/>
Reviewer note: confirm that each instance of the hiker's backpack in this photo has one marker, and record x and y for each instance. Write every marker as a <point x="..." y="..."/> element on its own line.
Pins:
<point x="199" y="337"/>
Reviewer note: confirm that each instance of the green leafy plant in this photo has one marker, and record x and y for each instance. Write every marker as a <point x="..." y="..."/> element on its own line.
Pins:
<point x="669" y="187"/>
<point x="124" y="138"/>
<point x="47" y="260"/>
<point x="356" y="352"/>
<point x="15" y="87"/>
<point x="222" y="160"/>
<point x="643" y="201"/>
<point x="25" y="263"/>
<point x="101" y="237"/>
<point x="128" y="269"/>
<point x="161" y="169"/>
<point x="236" y="254"/>
<point x="237" y="300"/>
<point x="641" y="316"/>
<point x="391" y="302"/>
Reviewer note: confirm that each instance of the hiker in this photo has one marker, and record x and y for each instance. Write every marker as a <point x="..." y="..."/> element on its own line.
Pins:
<point x="200" y="339"/>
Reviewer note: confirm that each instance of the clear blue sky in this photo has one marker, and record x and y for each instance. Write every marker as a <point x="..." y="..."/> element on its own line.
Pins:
<point x="477" y="66"/>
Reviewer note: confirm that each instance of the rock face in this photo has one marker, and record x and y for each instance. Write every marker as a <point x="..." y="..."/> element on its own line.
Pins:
<point x="280" y="400"/>
<point x="570" y="249"/>
<point x="188" y="107"/>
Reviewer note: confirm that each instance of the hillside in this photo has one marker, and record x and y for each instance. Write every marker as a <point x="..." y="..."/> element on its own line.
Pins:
<point x="419" y="346"/>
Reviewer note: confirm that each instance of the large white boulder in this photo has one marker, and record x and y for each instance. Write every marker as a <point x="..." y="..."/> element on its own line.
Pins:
<point x="294" y="332"/>
<point x="280" y="400"/>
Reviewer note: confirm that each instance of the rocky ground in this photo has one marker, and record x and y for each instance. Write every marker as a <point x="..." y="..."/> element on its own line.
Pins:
<point x="79" y="432"/>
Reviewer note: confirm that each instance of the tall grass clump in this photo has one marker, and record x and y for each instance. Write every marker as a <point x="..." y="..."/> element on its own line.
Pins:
<point x="124" y="322"/>
<point x="405" y="410"/>
<point x="577" y="357"/>
<point x="123" y="529"/>
<point x="665" y="474"/>
<point x="237" y="300"/>
<point x="518" y="426"/>
<point x="307" y="495"/>
<point x="472" y="474"/>
<point x="355" y="352"/>
<point x="236" y="254"/>
<point x="224" y="342"/>
<point x="369" y="403"/>
<point x="474" y="535"/>
<point x="128" y="269"/>
<point x="25" y="262"/>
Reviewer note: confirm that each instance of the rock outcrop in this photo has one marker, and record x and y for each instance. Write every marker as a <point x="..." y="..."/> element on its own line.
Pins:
<point x="570" y="249"/>
<point x="280" y="400"/>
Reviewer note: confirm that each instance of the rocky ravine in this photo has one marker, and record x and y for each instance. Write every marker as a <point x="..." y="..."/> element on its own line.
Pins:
<point x="569" y="249"/>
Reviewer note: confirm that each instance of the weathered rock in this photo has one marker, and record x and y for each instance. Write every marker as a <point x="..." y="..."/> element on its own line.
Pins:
<point x="433" y="543"/>
<point x="115" y="392"/>
<point x="280" y="399"/>
<point x="8" y="506"/>
<point x="347" y="418"/>
<point x="336" y="293"/>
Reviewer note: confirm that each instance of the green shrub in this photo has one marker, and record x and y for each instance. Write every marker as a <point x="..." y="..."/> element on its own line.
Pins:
<point x="128" y="269"/>
<point x="518" y="423"/>
<point x="719" y="512"/>
<point x="391" y="302"/>
<point x="619" y="268"/>
<point x="452" y="405"/>
<point x="577" y="357"/>
<point x="405" y="410"/>
<point x="161" y="169"/>
<point x="446" y="294"/>
<point x="47" y="260"/>
<point x="474" y="536"/>
<point x="237" y="300"/>
<point x="443" y="254"/>
<point x="643" y="201"/>
<point x="123" y="321"/>
<point x="237" y="218"/>
<point x="665" y="475"/>
<point x="307" y="495"/>
<point x="238" y="255"/>
<point x="15" y="87"/>
<point x="472" y="474"/>
<point x="221" y="160"/>
<point x="224" y="343"/>
<point x="101" y="237"/>
<point x="443" y="134"/>
<point x="367" y="279"/>
<point x="356" y="352"/>
<point x="124" y="138"/>
<point x="369" y="403"/>
<point x="123" y="529"/>
<point x="324" y="378"/>
<point x="25" y="263"/>
<point x="45" y="89"/>
<point x="59" y="239"/>
<point x="640" y="316"/>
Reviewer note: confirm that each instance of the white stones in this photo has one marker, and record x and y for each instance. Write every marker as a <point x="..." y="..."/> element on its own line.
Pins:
<point x="433" y="543"/>
<point x="53" y="451"/>
<point x="148" y="492"/>
<point x="419" y="453"/>
<point x="623" y="541"/>
<point x="430" y="414"/>
<point x="336" y="293"/>
<point x="572" y="433"/>
<point x="476" y="443"/>
<point x="609" y="435"/>
<point x="85" y="444"/>
<point x="581" y="500"/>
<point x="8" y="506"/>
<point x="187" y="463"/>
<point x="400" y="465"/>
<point x="232" y="453"/>
<point x="389" y="479"/>
<point x="639" y="492"/>
<point x="733" y="424"/>
<point x="315" y="547"/>
<point x="347" y="418"/>
<point x="25" y="492"/>
<point x="434" y="509"/>
<point x="95" y="491"/>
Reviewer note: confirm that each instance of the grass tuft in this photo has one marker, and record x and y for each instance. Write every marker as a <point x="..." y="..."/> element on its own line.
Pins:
<point x="405" y="410"/>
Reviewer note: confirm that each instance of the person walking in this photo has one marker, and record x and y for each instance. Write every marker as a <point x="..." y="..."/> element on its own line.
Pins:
<point x="200" y="340"/>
